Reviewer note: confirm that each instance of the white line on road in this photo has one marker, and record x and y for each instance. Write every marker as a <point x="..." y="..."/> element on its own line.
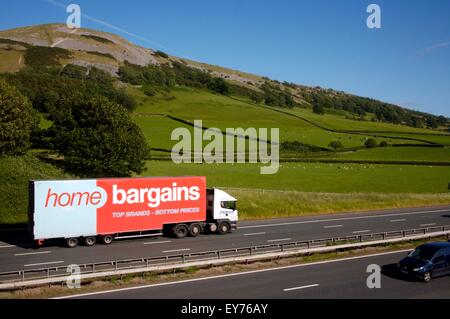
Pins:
<point x="333" y="226"/>
<point x="232" y="275"/>
<point x="398" y="220"/>
<point x="35" y="253"/>
<point x="302" y="287"/>
<point x="157" y="242"/>
<point x="361" y="231"/>
<point x="277" y="240"/>
<point x="46" y="263"/>
<point x="426" y="225"/>
<point x="254" y="234"/>
<point x="176" y="250"/>
<point x="342" y="219"/>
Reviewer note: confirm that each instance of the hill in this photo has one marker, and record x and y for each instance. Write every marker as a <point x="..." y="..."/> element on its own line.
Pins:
<point x="54" y="44"/>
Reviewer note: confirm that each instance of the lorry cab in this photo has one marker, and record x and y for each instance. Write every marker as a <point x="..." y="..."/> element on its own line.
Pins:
<point x="221" y="209"/>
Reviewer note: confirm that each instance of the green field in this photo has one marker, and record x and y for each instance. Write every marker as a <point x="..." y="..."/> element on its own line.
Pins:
<point x="399" y="153"/>
<point x="223" y="112"/>
<point x="315" y="177"/>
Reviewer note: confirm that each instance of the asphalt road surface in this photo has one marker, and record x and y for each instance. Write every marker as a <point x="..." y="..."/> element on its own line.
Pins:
<point x="17" y="254"/>
<point x="330" y="279"/>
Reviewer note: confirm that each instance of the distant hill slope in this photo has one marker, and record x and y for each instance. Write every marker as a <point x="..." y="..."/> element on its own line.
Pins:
<point x="108" y="52"/>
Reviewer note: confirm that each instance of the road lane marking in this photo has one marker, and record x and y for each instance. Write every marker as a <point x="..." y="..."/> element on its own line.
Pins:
<point x="398" y="220"/>
<point x="35" y="253"/>
<point x="255" y="234"/>
<point x="176" y="250"/>
<point x="277" y="240"/>
<point x="426" y="225"/>
<point x="342" y="219"/>
<point x="157" y="242"/>
<point x="361" y="231"/>
<point x="46" y="263"/>
<point x="333" y="226"/>
<point x="301" y="287"/>
<point x="232" y="275"/>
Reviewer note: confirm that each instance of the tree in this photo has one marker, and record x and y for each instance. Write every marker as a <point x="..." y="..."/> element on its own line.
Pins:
<point x="318" y="109"/>
<point x="371" y="143"/>
<point x="98" y="139"/>
<point x="220" y="86"/>
<point x="336" y="145"/>
<point x="16" y="121"/>
<point x="148" y="90"/>
<point x="383" y="144"/>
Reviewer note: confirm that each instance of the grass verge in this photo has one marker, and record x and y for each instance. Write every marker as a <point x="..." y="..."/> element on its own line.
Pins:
<point x="262" y="204"/>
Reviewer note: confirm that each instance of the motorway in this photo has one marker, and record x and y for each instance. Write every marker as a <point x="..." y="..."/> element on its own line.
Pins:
<point x="337" y="279"/>
<point x="17" y="254"/>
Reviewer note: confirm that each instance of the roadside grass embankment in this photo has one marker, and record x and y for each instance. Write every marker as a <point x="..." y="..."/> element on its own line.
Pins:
<point x="264" y="204"/>
<point x="15" y="172"/>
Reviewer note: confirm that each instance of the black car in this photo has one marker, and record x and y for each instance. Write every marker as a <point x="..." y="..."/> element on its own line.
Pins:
<point x="427" y="261"/>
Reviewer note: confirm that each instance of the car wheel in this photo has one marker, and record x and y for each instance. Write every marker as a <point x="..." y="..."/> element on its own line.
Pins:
<point x="427" y="276"/>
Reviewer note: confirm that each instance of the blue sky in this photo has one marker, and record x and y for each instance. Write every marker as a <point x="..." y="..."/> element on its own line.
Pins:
<point x="320" y="42"/>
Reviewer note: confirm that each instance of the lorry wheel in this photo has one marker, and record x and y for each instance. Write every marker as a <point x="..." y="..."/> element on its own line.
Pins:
<point x="195" y="230"/>
<point x="90" y="241"/>
<point x="212" y="228"/>
<point x="180" y="231"/>
<point x="107" y="239"/>
<point x="224" y="228"/>
<point x="71" y="242"/>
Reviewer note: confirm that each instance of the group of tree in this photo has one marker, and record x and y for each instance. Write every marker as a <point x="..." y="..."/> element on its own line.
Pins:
<point x="384" y="112"/>
<point x="155" y="77"/>
<point x="90" y="123"/>
<point x="369" y="143"/>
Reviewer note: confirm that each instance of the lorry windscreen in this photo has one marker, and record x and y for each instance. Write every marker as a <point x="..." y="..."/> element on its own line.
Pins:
<point x="228" y="205"/>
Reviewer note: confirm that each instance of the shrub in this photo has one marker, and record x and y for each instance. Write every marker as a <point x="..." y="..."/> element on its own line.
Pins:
<point x="96" y="38"/>
<point x="384" y="144"/>
<point x="162" y="54"/>
<point x="45" y="56"/>
<point x="318" y="109"/>
<point x="371" y="143"/>
<point x="148" y="90"/>
<point x="16" y="121"/>
<point x="336" y="145"/>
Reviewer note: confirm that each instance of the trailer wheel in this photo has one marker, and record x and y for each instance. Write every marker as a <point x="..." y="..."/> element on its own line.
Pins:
<point x="71" y="242"/>
<point x="90" y="241"/>
<point x="195" y="230"/>
<point x="180" y="231"/>
<point x="107" y="239"/>
<point x="224" y="228"/>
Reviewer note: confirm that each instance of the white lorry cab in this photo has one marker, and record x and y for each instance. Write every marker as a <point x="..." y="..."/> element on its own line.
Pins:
<point x="221" y="208"/>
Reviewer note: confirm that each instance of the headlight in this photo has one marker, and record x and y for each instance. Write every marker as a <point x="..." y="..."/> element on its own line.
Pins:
<point x="417" y="269"/>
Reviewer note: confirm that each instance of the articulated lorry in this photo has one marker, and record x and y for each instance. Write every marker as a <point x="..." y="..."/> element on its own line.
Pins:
<point x="101" y="210"/>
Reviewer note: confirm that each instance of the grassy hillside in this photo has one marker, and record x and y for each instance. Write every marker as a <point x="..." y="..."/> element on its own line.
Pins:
<point x="15" y="172"/>
<point x="225" y="112"/>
